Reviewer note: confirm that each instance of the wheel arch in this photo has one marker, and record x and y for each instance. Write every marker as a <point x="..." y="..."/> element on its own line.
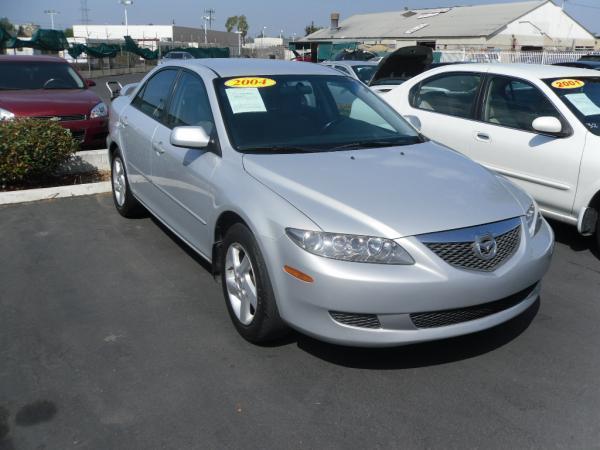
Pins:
<point x="224" y="222"/>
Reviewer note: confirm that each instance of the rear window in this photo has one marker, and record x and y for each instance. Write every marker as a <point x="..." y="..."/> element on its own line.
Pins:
<point x="582" y="97"/>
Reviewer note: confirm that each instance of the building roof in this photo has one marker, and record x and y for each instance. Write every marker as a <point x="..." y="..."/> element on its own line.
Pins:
<point x="459" y="21"/>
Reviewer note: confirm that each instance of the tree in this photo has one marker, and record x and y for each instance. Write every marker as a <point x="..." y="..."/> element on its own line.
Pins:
<point x="69" y="32"/>
<point x="310" y="29"/>
<point x="239" y="22"/>
<point x="231" y="22"/>
<point x="7" y="25"/>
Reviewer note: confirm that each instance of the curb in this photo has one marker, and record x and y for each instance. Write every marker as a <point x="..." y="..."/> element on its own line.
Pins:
<point x="32" y="195"/>
<point x="86" y="161"/>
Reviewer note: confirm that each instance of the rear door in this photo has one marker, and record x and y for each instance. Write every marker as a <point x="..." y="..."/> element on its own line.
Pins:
<point x="138" y="122"/>
<point x="546" y="166"/>
<point x="183" y="175"/>
<point x="443" y="107"/>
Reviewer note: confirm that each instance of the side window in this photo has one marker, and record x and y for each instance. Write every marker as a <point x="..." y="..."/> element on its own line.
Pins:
<point x="152" y="98"/>
<point x="453" y="94"/>
<point x="514" y="103"/>
<point x="190" y="105"/>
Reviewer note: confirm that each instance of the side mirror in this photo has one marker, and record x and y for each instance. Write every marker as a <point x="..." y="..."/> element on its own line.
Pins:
<point x="90" y="83"/>
<point x="414" y="121"/>
<point x="190" y="137"/>
<point x="549" y="125"/>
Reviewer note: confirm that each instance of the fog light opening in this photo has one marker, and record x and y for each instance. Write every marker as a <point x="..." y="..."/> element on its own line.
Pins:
<point x="298" y="274"/>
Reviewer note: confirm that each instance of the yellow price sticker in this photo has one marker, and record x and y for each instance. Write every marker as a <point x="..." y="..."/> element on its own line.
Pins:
<point x="567" y="84"/>
<point x="250" y="82"/>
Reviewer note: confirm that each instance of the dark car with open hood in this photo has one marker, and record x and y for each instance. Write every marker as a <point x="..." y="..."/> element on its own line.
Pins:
<point x="49" y="88"/>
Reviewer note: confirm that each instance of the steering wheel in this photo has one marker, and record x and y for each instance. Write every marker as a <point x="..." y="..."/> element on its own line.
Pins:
<point x="53" y="81"/>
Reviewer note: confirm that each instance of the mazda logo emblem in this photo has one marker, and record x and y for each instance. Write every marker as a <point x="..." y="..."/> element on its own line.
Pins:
<point x="485" y="247"/>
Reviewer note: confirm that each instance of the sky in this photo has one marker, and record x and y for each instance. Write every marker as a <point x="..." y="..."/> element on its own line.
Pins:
<point x="276" y="15"/>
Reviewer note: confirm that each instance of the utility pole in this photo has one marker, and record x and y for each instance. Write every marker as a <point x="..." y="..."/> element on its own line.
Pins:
<point x="210" y="14"/>
<point x="51" y="13"/>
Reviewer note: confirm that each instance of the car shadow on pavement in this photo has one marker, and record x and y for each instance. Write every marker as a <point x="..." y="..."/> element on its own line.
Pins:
<point x="568" y="235"/>
<point x="425" y="354"/>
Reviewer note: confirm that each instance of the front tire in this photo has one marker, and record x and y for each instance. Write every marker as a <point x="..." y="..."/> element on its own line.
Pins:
<point x="247" y="288"/>
<point x="127" y="205"/>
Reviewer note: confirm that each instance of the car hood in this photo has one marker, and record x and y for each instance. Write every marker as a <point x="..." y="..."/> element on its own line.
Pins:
<point x="388" y="192"/>
<point x="49" y="102"/>
<point x="404" y="63"/>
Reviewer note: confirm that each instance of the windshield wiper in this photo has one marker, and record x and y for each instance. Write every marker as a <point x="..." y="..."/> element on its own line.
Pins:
<point x="278" y="149"/>
<point x="377" y="143"/>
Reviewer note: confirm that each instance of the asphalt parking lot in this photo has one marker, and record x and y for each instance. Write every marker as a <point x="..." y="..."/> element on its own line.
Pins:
<point x="114" y="336"/>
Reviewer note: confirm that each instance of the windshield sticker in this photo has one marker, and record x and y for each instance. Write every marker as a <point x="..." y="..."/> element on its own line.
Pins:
<point x="245" y="100"/>
<point x="250" y="82"/>
<point x="567" y="84"/>
<point x="584" y="104"/>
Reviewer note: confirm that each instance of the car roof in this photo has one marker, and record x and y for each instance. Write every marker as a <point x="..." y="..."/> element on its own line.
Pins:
<point x="32" y="58"/>
<point x="231" y="67"/>
<point x="531" y="71"/>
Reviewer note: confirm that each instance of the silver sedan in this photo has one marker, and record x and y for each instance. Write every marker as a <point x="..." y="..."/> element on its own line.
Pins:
<point x="320" y="207"/>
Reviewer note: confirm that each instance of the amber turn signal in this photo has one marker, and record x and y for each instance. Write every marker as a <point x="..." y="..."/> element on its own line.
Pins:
<point x="297" y="274"/>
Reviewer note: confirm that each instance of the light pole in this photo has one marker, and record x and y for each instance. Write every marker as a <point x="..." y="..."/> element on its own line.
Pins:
<point x="51" y="13"/>
<point x="239" y="33"/>
<point x="125" y="4"/>
<point x="206" y="19"/>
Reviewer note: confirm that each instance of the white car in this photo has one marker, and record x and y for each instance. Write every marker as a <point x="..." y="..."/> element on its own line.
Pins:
<point x="535" y="124"/>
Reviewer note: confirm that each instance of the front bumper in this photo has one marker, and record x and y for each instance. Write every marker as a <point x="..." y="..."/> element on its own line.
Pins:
<point x="392" y="293"/>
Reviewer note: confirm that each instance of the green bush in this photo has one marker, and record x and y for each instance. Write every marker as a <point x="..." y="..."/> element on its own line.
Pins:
<point x="32" y="150"/>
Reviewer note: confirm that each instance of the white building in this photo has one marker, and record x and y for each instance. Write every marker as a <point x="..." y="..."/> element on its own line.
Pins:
<point x="528" y="25"/>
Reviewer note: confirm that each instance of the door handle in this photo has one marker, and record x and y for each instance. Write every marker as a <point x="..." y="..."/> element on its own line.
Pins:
<point x="483" y="137"/>
<point x="158" y="147"/>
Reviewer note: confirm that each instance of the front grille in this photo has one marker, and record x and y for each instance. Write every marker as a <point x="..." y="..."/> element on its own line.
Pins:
<point x="453" y="316"/>
<point x="70" y="118"/>
<point x="457" y="247"/>
<point x="356" y="320"/>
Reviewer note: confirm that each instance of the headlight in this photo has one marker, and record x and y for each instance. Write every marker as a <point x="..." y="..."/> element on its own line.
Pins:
<point x="100" y="110"/>
<point x="350" y="247"/>
<point x="6" y="115"/>
<point x="533" y="217"/>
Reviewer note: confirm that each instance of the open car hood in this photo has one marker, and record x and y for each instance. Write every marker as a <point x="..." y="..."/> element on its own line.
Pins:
<point x="404" y="63"/>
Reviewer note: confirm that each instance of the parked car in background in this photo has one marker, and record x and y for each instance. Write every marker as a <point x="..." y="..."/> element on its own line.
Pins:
<point x="49" y="88"/>
<point x="401" y="65"/>
<point x="538" y="125"/>
<point x="359" y="70"/>
<point x="594" y="65"/>
<point x="344" y="223"/>
<point x="174" y="56"/>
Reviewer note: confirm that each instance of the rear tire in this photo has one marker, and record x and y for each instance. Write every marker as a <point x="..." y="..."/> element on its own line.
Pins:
<point x="127" y="205"/>
<point x="247" y="288"/>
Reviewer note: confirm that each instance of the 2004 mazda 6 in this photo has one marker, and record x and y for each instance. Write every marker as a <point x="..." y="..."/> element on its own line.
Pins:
<point x="320" y="207"/>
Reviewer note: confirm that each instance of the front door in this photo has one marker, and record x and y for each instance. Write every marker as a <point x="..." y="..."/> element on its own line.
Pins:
<point x="546" y="166"/>
<point x="183" y="175"/>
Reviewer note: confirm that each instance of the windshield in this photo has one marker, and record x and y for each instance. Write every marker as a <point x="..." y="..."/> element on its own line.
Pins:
<point x="364" y="73"/>
<point x="38" y="75"/>
<point x="308" y="113"/>
<point x="582" y="96"/>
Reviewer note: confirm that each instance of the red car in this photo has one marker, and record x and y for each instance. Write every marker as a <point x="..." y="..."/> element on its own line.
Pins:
<point x="48" y="87"/>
